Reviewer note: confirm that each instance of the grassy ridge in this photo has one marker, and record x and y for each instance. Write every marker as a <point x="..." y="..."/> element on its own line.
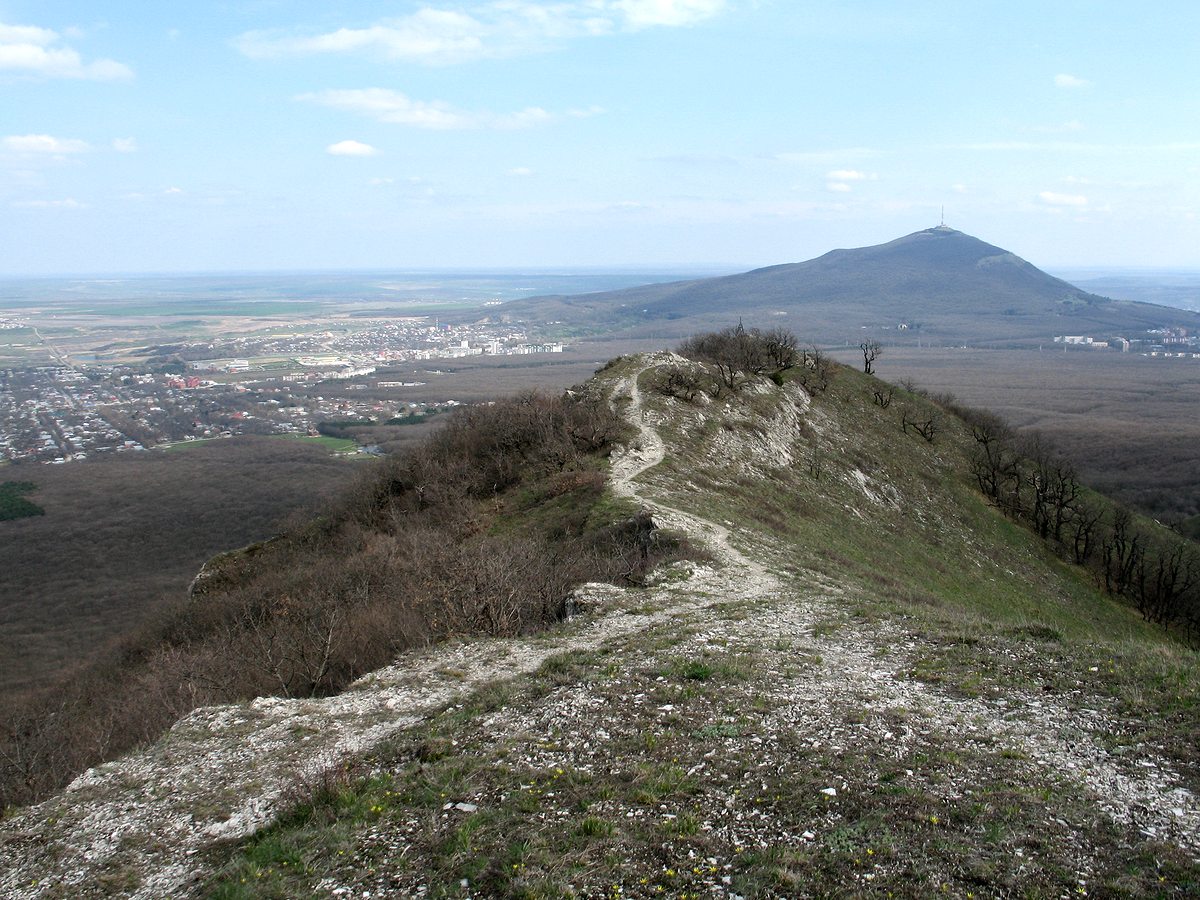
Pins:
<point x="731" y="754"/>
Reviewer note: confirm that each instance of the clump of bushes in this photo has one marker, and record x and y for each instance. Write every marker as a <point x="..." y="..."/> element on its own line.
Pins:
<point x="484" y="527"/>
<point x="739" y="356"/>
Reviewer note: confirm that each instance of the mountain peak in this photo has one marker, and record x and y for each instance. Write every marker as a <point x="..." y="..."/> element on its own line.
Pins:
<point x="949" y="285"/>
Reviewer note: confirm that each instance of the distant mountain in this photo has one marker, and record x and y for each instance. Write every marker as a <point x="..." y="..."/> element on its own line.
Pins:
<point x="939" y="283"/>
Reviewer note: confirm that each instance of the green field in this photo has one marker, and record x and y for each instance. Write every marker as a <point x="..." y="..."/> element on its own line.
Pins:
<point x="334" y="445"/>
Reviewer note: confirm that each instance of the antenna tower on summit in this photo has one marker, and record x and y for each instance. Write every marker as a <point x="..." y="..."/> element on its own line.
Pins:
<point x="943" y="217"/>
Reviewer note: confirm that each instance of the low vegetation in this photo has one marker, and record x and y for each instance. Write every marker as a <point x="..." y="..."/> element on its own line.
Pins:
<point x="485" y="527"/>
<point x="897" y="680"/>
<point x="13" y="503"/>
<point x="864" y="735"/>
<point x="123" y="533"/>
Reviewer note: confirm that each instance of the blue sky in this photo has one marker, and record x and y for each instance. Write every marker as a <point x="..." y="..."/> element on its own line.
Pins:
<point x="281" y="134"/>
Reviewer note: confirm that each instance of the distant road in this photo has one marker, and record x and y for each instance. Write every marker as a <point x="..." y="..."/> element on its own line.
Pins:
<point x="54" y="351"/>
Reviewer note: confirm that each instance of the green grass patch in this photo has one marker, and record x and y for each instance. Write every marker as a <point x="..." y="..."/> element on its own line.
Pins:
<point x="334" y="445"/>
<point x="14" y="504"/>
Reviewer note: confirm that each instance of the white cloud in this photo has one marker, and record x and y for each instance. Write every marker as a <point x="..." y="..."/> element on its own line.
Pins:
<point x="520" y="172"/>
<point x="671" y="13"/>
<point x="68" y="203"/>
<point x="851" y="175"/>
<point x="39" y="52"/>
<point x="483" y="31"/>
<point x="958" y="188"/>
<point x="351" y="148"/>
<point x="1064" y="80"/>
<point x="32" y="144"/>
<point x="838" y="187"/>
<point x="380" y="182"/>
<point x="398" y="109"/>
<point x="1052" y="198"/>
<point x="173" y="190"/>
<point x="125" y="145"/>
<point x="428" y="35"/>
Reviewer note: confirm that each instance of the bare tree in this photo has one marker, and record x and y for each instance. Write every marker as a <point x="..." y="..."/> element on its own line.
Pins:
<point x="1083" y="531"/>
<point x="927" y="427"/>
<point x="1173" y="576"/>
<point x="871" y="351"/>
<point x="781" y="349"/>
<point x="1122" y="551"/>
<point x="995" y="463"/>
<point x="816" y="371"/>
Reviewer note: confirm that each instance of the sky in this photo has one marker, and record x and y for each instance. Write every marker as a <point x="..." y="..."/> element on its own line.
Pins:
<point x="143" y="136"/>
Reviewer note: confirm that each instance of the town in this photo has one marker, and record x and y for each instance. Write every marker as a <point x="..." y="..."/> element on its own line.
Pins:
<point x="300" y="382"/>
<point x="1160" y="343"/>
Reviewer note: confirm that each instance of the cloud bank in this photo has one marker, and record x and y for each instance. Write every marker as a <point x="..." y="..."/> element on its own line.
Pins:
<point x="395" y="108"/>
<point x="42" y="144"/>
<point x="493" y="30"/>
<point x="30" y="51"/>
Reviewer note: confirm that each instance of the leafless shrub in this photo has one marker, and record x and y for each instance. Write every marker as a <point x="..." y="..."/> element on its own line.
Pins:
<point x="816" y="371"/>
<point x="927" y="426"/>
<point x="739" y="355"/>
<point x="684" y="383"/>
<point x="407" y="556"/>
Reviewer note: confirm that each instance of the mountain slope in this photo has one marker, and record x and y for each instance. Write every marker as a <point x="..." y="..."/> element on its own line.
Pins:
<point x="878" y="684"/>
<point x="945" y="284"/>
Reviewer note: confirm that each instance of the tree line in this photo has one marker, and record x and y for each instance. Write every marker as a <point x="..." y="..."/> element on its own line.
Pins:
<point x="1155" y="570"/>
